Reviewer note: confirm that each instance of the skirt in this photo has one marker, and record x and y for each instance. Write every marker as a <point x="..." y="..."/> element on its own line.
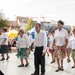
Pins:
<point x="22" y="53"/>
<point x="4" y="49"/>
<point x="51" y="51"/>
<point x="59" y="52"/>
<point x="73" y="54"/>
<point x="68" y="51"/>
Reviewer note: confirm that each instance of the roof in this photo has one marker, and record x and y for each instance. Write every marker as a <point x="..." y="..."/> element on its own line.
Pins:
<point x="12" y="23"/>
<point x="14" y="31"/>
<point x="32" y="30"/>
<point x="42" y="23"/>
<point x="23" y="19"/>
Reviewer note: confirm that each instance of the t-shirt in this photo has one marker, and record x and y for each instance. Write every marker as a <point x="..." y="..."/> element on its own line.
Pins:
<point x="60" y="37"/>
<point x="72" y="42"/>
<point x="5" y="36"/>
<point x="16" y="38"/>
<point x="51" y="41"/>
<point x="30" y="40"/>
<point x="23" y="42"/>
<point x="69" y="38"/>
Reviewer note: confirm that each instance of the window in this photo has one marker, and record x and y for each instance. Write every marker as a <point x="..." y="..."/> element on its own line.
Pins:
<point x="25" y="21"/>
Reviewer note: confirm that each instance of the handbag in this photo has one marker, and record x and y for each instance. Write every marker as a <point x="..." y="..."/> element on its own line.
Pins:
<point x="51" y="51"/>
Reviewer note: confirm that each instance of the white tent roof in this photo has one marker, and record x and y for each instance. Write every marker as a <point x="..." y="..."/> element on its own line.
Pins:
<point x="14" y="31"/>
<point x="31" y="30"/>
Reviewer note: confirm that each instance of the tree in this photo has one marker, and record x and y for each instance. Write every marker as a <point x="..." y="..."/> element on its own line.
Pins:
<point x="30" y="25"/>
<point x="3" y="20"/>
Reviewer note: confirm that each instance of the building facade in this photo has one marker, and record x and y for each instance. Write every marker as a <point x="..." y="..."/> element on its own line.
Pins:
<point x="19" y="23"/>
<point x="22" y="22"/>
<point x="12" y="25"/>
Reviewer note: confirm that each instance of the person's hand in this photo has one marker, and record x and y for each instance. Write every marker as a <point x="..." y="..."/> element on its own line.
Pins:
<point x="69" y="48"/>
<point x="52" y="47"/>
<point x="2" y="44"/>
<point x="17" y="49"/>
<point x="43" y="53"/>
<point x="65" y="49"/>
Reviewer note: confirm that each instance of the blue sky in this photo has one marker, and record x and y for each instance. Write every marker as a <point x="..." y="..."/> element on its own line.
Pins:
<point x="52" y="9"/>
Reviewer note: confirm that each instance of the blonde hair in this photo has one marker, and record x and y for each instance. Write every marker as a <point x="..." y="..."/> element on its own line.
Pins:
<point x="21" y="30"/>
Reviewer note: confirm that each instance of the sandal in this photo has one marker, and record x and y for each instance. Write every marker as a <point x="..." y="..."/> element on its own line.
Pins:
<point x="7" y="58"/>
<point x="21" y="65"/>
<point x="62" y="68"/>
<point x="2" y="59"/>
<point x="26" y="65"/>
<point x="72" y="67"/>
<point x="58" y="69"/>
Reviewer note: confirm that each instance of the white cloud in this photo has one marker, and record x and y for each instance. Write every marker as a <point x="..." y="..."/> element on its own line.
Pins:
<point x="52" y="9"/>
<point x="62" y="3"/>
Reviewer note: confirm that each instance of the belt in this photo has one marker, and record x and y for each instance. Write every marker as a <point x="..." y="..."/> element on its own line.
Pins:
<point x="38" y="46"/>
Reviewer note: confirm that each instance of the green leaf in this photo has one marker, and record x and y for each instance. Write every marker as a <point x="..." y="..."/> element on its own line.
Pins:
<point x="3" y="20"/>
<point x="30" y="25"/>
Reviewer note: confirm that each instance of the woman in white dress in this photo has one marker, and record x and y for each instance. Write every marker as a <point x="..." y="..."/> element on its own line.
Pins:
<point x="68" y="49"/>
<point x="23" y="46"/>
<point x="31" y="41"/>
<point x="72" y="44"/>
<point x="50" y="46"/>
<point x="61" y="42"/>
<point x="4" y="45"/>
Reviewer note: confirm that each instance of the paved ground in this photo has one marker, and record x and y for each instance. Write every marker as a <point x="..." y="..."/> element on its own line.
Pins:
<point x="10" y="67"/>
<point x="14" y="49"/>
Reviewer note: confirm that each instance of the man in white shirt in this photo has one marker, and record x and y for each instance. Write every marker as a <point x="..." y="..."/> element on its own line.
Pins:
<point x="40" y="45"/>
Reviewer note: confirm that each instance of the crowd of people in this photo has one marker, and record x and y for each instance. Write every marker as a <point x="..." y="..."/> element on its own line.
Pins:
<point x="61" y="45"/>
